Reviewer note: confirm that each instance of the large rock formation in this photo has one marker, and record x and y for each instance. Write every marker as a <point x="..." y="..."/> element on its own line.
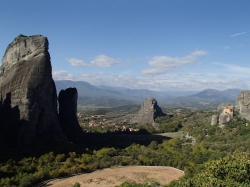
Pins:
<point x="243" y="104"/>
<point x="221" y="107"/>
<point x="28" y="91"/>
<point x="67" y="114"/>
<point x="148" y="112"/>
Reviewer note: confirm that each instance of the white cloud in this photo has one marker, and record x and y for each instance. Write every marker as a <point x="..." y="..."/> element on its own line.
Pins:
<point x="184" y="82"/>
<point x="220" y="84"/>
<point x="104" y="61"/>
<point x="63" y="75"/>
<point x="225" y="47"/>
<point x="76" y="62"/>
<point x="237" y="34"/>
<point x="100" y="60"/>
<point x="234" y="68"/>
<point x="163" y="64"/>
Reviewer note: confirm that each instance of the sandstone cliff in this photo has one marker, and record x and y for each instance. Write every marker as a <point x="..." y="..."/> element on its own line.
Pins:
<point x="243" y="104"/>
<point x="225" y="114"/>
<point x="148" y="112"/>
<point x="28" y="91"/>
<point x="67" y="114"/>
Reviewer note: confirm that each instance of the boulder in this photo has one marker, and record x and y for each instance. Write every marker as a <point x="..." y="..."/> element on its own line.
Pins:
<point x="28" y="92"/>
<point x="67" y="114"/>
<point x="148" y="112"/>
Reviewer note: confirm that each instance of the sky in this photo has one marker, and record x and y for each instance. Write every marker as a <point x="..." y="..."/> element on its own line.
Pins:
<point x="165" y="45"/>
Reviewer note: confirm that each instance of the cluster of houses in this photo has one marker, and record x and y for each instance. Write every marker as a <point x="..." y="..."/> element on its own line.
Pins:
<point x="101" y="121"/>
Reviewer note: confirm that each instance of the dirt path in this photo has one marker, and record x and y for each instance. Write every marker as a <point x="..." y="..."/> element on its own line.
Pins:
<point x="115" y="176"/>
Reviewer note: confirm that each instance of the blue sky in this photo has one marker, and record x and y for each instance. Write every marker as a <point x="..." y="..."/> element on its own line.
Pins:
<point x="139" y="44"/>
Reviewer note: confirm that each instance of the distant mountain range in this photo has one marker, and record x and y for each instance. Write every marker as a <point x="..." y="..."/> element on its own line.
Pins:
<point x="229" y="94"/>
<point x="104" y="96"/>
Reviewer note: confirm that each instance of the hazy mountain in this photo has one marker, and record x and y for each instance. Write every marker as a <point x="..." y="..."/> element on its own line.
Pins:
<point x="229" y="94"/>
<point x="87" y="90"/>
<point x="108" y="96"/>
<point x="105" y="96"/>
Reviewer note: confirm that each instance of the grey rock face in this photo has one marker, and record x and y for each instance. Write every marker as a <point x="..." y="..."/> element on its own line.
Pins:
<point x="224" y="118"/>
<point x="26" y="84"/>
<point x="243" y="104"/>
<point x="67" y="114"/>
<point x="148" y="112"/>
<point x="214" y="120"/>
<point x="221" y="107"/>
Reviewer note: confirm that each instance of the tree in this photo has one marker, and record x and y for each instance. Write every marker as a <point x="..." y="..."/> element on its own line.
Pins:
<point x="232" y="170"/>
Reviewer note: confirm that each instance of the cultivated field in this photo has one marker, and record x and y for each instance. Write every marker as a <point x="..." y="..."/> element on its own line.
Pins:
<point x="115" y="176"/>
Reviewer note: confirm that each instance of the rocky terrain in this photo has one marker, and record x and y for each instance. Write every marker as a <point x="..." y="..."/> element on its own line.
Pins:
<point x="28" y="107"/>
<point x="241" y="105"/>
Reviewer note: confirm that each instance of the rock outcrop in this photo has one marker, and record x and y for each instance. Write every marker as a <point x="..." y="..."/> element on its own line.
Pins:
<point x="67" y="114"/>
<point x="148" y="112"/>
<point x="214" y="120"/>
<point x="243" y="104"/>
<point x="221" y="107"/>
<point x="224" y="118"/>
<point x="28" y="91"/>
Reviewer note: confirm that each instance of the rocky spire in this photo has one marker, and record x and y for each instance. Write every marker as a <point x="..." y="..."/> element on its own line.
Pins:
<point x="26" y="84"/>
<point x="67" y="114"/>
<point x="148" y="112"/>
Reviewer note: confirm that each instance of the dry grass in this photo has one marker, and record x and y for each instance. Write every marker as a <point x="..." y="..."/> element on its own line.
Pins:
<point x="115" y="176"/>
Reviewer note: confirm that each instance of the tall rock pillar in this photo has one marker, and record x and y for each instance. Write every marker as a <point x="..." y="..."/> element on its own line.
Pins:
<point x="26" y="82"/>
<point x="67" y="114"/>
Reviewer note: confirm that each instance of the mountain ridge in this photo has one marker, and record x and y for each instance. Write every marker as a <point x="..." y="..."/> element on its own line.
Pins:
<point x="106" y="96"/>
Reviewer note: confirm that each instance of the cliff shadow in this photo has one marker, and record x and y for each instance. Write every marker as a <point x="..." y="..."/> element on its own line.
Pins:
<point x="9" y="122"/>
<point x="120" y="140"/>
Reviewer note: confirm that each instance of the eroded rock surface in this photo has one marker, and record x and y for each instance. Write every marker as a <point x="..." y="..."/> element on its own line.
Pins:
<point x="224" y="118"/>
<point x="26" y="84"/>
<point x="221" y="107"/>
<point x="243" y="104"/>
<point x="148" y="112"/>
<point x="214" y="120"/>
<point x="67" y="114"/>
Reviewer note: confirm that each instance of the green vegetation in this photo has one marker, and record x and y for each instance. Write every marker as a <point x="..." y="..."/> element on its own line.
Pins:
<point x="215" y="159"/>
<point x="233" y="170"/>
<point x="133" y="184"/>
<point x="77" y="185"/>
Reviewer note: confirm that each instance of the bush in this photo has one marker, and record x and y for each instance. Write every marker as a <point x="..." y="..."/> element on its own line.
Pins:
<point x="27" y="180"/>
<point x="76" y="184"/>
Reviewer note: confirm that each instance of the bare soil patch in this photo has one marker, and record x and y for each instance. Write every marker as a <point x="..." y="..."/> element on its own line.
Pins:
<point x="115" y="176"/>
